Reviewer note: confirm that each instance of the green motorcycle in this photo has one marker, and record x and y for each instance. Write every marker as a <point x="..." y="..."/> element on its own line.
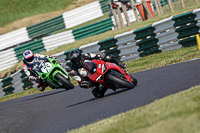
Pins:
<point x="54" y="74"/>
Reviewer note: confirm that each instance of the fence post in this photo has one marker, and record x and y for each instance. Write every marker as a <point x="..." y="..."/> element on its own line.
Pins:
<point x="157" y="8"/>
<point x="113" y="11"/>
<point x="120" y="17"/>
<point x="116" y="19"/>
<point x="160" y="6"/>
<point x="134" y="10"/>
<point x="170" y="5"/>
<point x="125" y="14"/>
<point x="197" y="2"/>
<point x="182" y="4"/>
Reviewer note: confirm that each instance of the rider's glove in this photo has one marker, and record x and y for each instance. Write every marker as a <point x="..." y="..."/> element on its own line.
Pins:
<point x="32" y="78"/>
<point x="122" y="65"/>
<point x="50" y="56"/>
<point x="102" y="56"/>
<point x="85" y="84"/>
<point x="73" y="73"/>
<point x="68" y="69"/>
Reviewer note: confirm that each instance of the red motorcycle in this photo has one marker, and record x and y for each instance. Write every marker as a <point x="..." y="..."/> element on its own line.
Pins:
<point x="109" y="75"/>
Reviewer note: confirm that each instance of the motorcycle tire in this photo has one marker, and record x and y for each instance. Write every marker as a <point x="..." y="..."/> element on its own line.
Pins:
<point x="67" y="84"/>
<point x="98" y="93"/>
<point x="134" y="81"/>
<point x="121" y="82"/>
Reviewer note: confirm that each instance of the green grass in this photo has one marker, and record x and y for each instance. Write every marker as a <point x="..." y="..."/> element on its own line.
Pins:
<point x="178" y="113"/>
<point x="12" y="10"/>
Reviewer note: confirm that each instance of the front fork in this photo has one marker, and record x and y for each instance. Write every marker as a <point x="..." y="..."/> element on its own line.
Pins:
<point x="53" y="75"/>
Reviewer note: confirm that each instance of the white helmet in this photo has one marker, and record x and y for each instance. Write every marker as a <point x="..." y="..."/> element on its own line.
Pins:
<point x="28" y="56"/>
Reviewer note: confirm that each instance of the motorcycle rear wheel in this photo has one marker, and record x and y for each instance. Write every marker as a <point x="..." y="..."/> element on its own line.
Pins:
<point x="67" y="84"/>
<point x="121" y="82"/>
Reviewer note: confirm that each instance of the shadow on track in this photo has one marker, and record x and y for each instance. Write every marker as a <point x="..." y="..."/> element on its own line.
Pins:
<point x="45" y="95"/>
<point x="92" y="99"/>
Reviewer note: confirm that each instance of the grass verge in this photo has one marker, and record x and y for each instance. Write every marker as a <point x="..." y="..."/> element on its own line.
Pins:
<point x="178" y="113"/>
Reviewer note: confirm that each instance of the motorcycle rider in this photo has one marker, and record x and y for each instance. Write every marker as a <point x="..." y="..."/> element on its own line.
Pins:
<point x="80" y="75"/>
<point x="31" y="63"/>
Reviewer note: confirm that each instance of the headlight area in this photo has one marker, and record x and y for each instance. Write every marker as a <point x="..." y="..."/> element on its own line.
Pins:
<point x="54" y="62"/>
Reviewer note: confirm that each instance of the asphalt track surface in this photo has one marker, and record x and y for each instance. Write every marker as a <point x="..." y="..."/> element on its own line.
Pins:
<point x="59" y="111"/>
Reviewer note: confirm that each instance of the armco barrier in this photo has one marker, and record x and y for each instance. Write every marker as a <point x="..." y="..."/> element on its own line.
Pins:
<point x="126" y="45"/>
<point x="168" y="34"/>
<point x="109" y="46"/>
<point x="146" y="41"/>
<point x="17" y="82"/>
<point x="7" y="85"/>
<point x="1" y="89"/>
<point x="92" y="47"/>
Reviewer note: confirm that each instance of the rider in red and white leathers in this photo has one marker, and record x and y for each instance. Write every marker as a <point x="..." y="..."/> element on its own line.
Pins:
<point x="79" y="74"/>
<point x="31" y="64"/>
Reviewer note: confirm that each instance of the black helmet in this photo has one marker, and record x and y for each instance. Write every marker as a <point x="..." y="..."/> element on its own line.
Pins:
<point x="75" y="57"/>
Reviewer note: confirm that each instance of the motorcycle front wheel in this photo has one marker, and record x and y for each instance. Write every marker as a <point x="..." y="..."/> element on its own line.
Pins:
<point x="116" y="79"/>
<point x="67" y="84"/>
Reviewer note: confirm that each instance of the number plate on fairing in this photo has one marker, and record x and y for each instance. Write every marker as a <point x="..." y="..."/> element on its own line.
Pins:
<point x="46" y="67"/>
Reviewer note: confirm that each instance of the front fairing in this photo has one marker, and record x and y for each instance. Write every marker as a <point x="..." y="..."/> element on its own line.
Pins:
<point x="102" y="68"/>
<point x="49" y="74"/>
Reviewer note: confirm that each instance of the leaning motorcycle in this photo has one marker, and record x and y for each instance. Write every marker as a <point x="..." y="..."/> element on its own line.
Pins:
<point x="54" y="74"/>
<point x="109" y="75"/>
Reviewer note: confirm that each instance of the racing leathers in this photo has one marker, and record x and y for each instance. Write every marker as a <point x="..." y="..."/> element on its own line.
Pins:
<point x="80" y="75"/>
<point x="31" y="70"/>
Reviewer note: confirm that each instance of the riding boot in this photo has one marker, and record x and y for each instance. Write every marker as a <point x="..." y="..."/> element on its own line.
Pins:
<point x="41" y="85"/>
<point x="103" y="89"/>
